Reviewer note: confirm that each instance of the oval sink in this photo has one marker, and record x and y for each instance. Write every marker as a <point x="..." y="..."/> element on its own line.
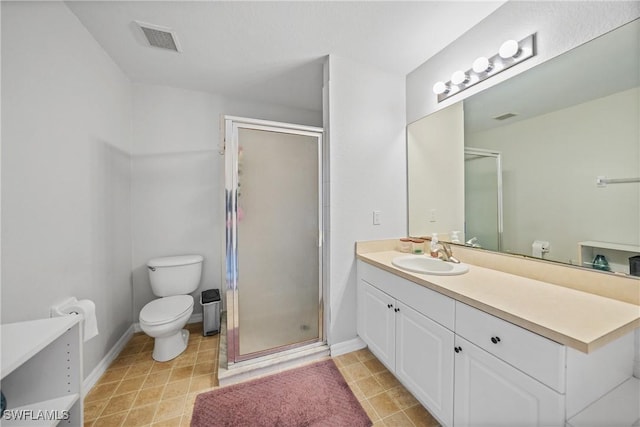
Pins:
<point x="427" y="265"/>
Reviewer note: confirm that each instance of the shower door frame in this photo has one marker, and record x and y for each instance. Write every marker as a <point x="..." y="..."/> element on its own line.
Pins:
<point x="232" y="124"/>
<point x="497" y="155"/>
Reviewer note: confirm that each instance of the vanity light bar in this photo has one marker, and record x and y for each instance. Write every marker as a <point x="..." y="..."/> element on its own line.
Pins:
<point x="511" y="53"/>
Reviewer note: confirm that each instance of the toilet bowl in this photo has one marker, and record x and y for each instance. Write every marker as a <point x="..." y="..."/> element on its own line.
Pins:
<point x="172" y="279"/>
<point x="163" y="319"/>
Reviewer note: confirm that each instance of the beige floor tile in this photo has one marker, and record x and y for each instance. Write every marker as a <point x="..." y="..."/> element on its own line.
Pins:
<point x="93" y="409"/>
<point x="364" y="354"/>
<point x="346" y="359"/>
<point x="141" y="368"/>
<point x="355" y="372"/>
<point x="402" y="397"/>
<point x="176" y="389"/>
<point x="203" y="369"/>
<point x="201" y="383"/>
<point x="113" y="374"/>
<point x="370" y="410"/>
<point x="170" y="408"/>
<point x="387" y="380"/>
<point x="156" y="379"/>
<point x="375" y="366"/>
<point x="180" y="373"/>
<point x="369" y="387"/>
<point x="421" y="417"/>
<point x="384" y="405"/>
<point x="119" y="403"/>
<point x="171" y="422"/>
<point x="398" y="419"/>
<point x="114" y="420"/>
<point x="148" y="396"/>
<point x="140" y="416"/>
<point x="129" y="385"/>
<point x="100" y="392"/>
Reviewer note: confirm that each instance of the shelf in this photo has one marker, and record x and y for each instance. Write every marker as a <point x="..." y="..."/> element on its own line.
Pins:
<point x="617" y="254"/>
<point x="612" y="246"/>
<point x="35" y="414"/>
<point x="21" y="341"/>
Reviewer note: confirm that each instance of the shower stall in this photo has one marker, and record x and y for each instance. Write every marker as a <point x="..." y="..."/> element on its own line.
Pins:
<point x="274" y="238"/>
<point x="483" y="197"/>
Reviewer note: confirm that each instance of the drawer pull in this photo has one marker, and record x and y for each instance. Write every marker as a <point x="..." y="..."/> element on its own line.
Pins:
<point x="457" y="349"/>
<point x="495" y="340"/>
<point x="396" y="310"/>
<point x="389" y="305"/>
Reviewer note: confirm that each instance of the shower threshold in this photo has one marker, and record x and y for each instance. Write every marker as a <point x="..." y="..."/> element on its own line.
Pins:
<point x="264" y="365"/>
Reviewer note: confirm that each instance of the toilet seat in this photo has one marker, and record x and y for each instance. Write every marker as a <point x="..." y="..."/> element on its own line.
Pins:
<point x="166" y="310"/>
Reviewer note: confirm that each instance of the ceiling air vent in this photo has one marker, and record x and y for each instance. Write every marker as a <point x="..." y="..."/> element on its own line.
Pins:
<point x="505" y="116"/>
<point x="158" y="36"/>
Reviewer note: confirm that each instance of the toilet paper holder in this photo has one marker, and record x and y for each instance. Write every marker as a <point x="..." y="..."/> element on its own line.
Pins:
<point x="84" y="308"/>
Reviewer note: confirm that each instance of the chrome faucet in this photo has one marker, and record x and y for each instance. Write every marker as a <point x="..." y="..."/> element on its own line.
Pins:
<point x="444" y="251"/>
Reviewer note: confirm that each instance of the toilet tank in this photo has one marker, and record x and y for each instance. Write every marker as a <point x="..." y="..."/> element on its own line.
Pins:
<point x="176" y="275"/>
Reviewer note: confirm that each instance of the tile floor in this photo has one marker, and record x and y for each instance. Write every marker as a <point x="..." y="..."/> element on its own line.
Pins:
<point x="138" y="391"/>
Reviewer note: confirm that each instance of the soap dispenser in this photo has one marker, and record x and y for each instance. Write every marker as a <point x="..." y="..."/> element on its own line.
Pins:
<point x="434" y="245"/>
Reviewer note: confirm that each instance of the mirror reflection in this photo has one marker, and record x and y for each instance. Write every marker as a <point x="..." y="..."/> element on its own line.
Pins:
<point x="534" y="149"/>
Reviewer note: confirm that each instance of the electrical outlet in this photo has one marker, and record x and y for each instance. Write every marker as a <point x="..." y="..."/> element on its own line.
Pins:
<point x="432" y="215"/>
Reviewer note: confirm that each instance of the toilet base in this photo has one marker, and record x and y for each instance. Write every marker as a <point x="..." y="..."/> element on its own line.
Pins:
<point x="167" y="348"/>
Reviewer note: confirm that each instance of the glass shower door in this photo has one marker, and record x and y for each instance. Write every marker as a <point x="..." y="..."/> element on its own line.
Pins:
<point x="483" y="197"/>
<point x="276" y="287"/>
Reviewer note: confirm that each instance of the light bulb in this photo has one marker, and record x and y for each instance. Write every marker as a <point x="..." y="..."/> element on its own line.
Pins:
<point x="440" y="87"/>
<point x="509" y="49"/>
<point x="459" y="77"/>
<point x="482" y="65"/>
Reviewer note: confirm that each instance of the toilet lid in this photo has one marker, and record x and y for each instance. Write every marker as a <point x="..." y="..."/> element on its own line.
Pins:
<point x="167" y="309"/>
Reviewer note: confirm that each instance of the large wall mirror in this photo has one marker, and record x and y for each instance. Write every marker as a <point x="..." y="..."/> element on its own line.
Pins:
<point x="515" y="168"/>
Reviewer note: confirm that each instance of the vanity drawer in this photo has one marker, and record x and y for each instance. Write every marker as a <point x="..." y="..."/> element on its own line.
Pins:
<point x="533" y="354"/>
<point x="439" y="308"/>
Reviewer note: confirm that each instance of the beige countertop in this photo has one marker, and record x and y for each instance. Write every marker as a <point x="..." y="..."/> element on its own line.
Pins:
<point x="578" y="319"/>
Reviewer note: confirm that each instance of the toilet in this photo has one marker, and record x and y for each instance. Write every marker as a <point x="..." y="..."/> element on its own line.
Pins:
<point x="172" y="279"/>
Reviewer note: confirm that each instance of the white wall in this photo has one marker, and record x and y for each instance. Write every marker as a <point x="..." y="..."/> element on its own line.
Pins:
<point x="178" y="183"/>
<point x="66" y="134"/>
<point x="560" y="26"/>
<point x="550" y="165"/>
<point x="366" y="122"/>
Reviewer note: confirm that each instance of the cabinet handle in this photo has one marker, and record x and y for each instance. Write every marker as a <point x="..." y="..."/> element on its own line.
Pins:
<point x="457" y="349"/>
<point x="495" y="340"/>
<point x="389" y="305"/>
<point x="396" y="310"/>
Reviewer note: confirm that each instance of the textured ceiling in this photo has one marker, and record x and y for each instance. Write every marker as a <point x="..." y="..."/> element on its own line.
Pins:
<point x="272" y="51"/>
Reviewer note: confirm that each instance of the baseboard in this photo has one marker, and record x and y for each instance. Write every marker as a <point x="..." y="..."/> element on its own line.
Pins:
<point x="97" y="372"/>
<point x="347" y="346"/>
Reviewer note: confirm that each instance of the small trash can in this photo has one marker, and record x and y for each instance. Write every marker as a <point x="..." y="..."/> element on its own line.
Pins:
<point x="210" y="301"/>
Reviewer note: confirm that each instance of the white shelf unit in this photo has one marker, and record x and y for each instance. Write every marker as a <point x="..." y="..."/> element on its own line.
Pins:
<point x="617" y="254"/>
<point x="41" y="371"/>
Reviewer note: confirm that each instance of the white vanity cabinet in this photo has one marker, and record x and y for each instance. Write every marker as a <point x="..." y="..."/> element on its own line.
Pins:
<point x="42" y="372"/>
<point x="413" y="346"/>
<point x="470" y="368"/>
<point x="505" y="375"/>
<point x="489" y="391"/>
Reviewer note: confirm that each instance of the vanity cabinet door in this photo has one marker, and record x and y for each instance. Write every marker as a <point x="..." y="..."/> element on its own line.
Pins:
<point x="489" y="392"/>
<point x="376" y="322"/>
<point x="424" y="361"/>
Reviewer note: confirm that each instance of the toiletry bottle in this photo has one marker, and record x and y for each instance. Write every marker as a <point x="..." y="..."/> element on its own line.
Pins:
<point x="434" y="245"/>
<point x="405" y="245"/>
<point x="418" y="246"/>
<point x="601" y="263"/>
